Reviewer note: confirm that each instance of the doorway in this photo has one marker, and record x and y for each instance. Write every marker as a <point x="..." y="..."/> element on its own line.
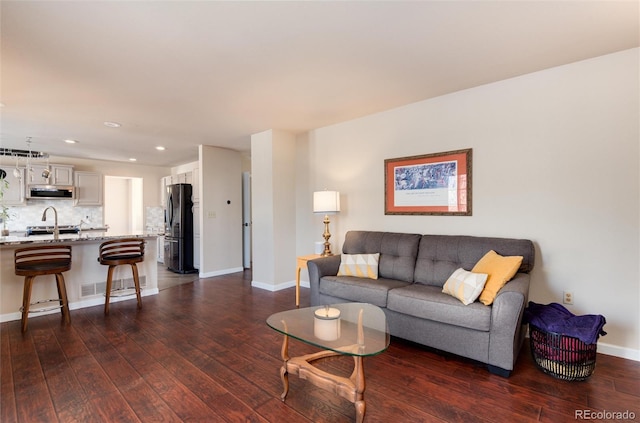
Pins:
<point x="123" y="206"/>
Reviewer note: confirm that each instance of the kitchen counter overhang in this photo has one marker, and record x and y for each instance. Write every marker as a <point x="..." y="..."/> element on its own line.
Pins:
<point x="85" y="281"/>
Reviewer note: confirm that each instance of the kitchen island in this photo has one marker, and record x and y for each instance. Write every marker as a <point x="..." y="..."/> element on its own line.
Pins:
<point x="85" y="281"/>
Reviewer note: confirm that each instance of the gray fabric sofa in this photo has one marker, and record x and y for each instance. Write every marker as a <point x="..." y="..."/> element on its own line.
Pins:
<point x="412" y="270"/>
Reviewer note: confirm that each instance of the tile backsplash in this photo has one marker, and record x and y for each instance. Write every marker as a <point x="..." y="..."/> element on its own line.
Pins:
<point x="31" y="214"/>
<point x="154" y="218"/>
<point x="68" y="214"/>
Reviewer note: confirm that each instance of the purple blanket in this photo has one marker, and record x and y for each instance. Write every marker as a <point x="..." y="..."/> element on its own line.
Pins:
<point x="556" y="318"/>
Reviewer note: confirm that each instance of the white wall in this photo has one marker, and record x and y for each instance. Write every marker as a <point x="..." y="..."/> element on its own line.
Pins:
<point x="221" y="211"/>
<point x="117" y="214"/>
<point x="262" y="204"/>
<point x="555" y="160"/>
<point x="309" y="226"/>
<point x="273" y="182"/>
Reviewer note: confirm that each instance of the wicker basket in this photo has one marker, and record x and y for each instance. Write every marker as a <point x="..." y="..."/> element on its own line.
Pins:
<point x="561" y="356"/>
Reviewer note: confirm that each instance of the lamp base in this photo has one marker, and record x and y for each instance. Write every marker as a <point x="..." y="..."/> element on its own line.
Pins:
<point x="326" y="235"/>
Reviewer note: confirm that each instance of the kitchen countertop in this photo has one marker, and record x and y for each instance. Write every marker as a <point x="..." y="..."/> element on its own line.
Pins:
<point x="83" y="236"/>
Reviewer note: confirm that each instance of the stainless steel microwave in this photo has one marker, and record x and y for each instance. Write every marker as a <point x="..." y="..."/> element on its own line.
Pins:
<point x="50" y="192"/>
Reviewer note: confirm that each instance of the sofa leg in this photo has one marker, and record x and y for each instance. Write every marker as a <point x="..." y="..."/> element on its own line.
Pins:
<point x="498" y="371"/>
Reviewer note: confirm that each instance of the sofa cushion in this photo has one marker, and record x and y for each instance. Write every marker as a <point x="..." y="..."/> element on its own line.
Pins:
<point x="500" y="270"/>
<point x="398" y="251"/>
<point x="428" y="302"/>
<point x="359" y="289"/>
<point x="440" y="255"/>
<point x="464" y="285"/>
<point x="360" y="265"/>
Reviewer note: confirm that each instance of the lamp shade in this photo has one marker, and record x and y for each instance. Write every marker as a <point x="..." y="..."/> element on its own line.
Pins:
<point x="326" y="202"/>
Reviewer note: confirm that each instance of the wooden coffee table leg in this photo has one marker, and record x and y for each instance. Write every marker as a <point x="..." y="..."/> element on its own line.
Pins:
<point x="284" y="374"/>
<point x="360" y="409"/>
<point x="357" y="377"/>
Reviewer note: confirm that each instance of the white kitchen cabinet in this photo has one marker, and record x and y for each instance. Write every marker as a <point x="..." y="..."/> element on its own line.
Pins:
<point x="180" y="178"/>
<point x="58" y="174"/>
<point x="62" y="175"/>
<point x="196" y="235"/>
<point x="160" y="246"/>
<point x="89" y="187"/>
<point x="196" y="252"/>
<point x="14" y="194"/>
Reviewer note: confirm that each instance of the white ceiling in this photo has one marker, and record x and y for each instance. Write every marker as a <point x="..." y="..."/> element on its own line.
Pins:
<point x="180" y="73"/>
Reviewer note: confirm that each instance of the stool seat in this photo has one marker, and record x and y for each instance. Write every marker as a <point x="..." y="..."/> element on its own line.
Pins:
<point x="118" y="252"/>
<point x="122" y="259"/>
<point x="43" y="268"/>
<point x="38" y="261"/>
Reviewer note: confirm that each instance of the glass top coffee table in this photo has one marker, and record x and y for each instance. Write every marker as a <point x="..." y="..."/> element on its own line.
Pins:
<point x="352" y="329"/>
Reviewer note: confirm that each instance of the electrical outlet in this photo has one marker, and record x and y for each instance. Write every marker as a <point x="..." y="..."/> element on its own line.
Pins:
<point x="567" y="297"/>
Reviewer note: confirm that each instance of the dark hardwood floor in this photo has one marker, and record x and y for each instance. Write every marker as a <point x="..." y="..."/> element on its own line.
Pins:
<point x="201" y="351"/>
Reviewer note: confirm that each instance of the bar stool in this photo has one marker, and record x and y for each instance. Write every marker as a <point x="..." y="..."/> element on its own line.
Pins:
<point x="43" y="260"/>
<point x="118" y="252"/>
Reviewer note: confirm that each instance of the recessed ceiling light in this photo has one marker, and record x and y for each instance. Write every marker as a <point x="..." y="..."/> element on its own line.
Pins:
<point x="112" y="124"/>
<point x="160" y="148"/>
<point x="132" y="159"/>
<point x="71" y="141"/>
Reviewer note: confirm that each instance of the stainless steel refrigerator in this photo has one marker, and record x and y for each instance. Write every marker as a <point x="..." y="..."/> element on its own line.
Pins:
<point x="178" y="241"/>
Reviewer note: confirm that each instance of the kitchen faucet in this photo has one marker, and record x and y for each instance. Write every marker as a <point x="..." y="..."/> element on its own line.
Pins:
<point x="56" y="231"/>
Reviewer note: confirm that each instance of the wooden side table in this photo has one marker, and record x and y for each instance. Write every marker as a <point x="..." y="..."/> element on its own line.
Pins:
<point x="302" y="262"/>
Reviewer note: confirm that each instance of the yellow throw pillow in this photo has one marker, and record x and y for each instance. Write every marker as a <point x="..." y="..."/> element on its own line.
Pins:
<point x="500" y="270"/>
<point x="465" y="286"/>
<point x="360" y="265"/>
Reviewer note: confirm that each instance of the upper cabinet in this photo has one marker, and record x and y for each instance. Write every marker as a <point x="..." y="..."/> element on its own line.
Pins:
<point x="56" y="175"/>
<point x="182" y="178"/>
<point x="62" y="175"/>
<point x="14" y="193"/>
<point x="89" y="187"/>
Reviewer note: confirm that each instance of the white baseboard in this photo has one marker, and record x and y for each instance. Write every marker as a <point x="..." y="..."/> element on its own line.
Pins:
<point x="220" y="272"/>
<point x="616" y="351"/>
<point x="271" y="287"/>
<point x="279" y="287"/>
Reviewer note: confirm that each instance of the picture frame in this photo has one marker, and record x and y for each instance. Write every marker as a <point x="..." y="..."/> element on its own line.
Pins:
<point x="429" y="184"/>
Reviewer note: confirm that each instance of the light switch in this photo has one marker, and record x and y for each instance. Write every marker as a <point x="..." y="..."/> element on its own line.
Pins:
<point x="211" y="215"/>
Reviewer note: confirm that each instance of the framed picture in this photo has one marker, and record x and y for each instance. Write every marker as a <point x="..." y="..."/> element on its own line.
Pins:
<point x="431" y="184"/>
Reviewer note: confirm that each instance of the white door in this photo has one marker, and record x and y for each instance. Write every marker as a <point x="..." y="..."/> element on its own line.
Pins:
<point x="246" y="220"/>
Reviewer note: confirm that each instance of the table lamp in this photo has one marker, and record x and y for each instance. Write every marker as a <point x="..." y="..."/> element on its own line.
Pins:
<point x="327" y="202"/>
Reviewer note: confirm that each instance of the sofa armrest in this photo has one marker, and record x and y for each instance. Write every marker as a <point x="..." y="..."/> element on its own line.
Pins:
<point x="324" y="266"/>
<point x="506" y="320"/>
